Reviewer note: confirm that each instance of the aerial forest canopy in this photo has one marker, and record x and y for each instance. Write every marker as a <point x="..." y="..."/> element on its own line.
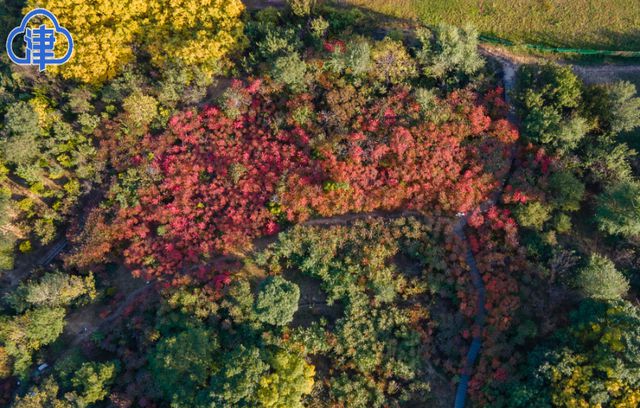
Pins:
<point x="309" y="205"/>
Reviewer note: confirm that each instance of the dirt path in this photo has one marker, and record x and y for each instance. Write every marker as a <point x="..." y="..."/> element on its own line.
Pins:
<point x="347" y="218"/>
<point x="81" y="324"/>
<point x="509" y="69"/>
<point x="591" y="74"/>
<point x="478" y="321"/>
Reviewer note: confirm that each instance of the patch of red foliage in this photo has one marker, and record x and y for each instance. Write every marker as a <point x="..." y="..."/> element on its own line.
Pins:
<point x="219" y="182"/>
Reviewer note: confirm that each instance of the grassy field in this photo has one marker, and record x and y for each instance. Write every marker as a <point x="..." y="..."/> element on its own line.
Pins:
<point x="598" y="24"/>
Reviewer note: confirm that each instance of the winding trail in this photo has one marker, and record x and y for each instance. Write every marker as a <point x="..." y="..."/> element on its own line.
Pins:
<point x="478" y="321"/>
<point x="509" y="69"/>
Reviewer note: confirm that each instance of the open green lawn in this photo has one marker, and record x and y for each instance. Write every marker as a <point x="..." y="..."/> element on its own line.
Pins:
<point x="598" y="24"/>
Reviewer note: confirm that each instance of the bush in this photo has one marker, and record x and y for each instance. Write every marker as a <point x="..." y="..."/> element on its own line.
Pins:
<point x="623" y="107"/>
<point x="140" y="109"/>
<point x="547" y="98"/>
<point x="7" y="244"/>
<point x="93" y="381"/>
<point x="53" y="289"/>
<point x="21" y="130"/>
<point x="392" y="64"/>
<point x="290" y="70"/>
<point x="301" y="8"/>
<point x="355" y="60"/>
<point x="449" y="52"/>
<point x="601" y="280"/>
<point x="277" y="301"/>
<point x="532" y="215"/>
<point x="25" y="246"/>
<point x="566" y="190"/>
<point x="618" y="209"/>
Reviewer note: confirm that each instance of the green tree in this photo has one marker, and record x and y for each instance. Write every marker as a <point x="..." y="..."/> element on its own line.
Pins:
<point x="600" y="279"/>
<point x="355" y="60"/>
<point x="140" y="109"/>
<point x="532" y="215"/>
<point x="567" y="190"/>
<point x="181" y="365"/>
<point x="93" y="381"/>
<point x="53" y="289"/>
<point x="277" y="301"/>
<point x="547" y="99"/>
<point x="356" y="391"/>
<point x="26" y="333"/>
<point x="290" y="70"/>
<point x="20" y="135"/>
<point x="449" y="52"/>
<point x="618" y="209"/>
<point x="238" y="380"/>
<point x="623" y="108"/>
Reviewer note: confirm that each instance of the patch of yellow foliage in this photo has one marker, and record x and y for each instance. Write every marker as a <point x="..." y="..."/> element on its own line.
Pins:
<point x="292" y="378"/>
<point x="106" y="33"/>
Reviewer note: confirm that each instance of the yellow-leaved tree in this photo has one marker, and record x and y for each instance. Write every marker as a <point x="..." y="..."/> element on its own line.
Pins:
<point x="107" y="34"/>
<point x="194" y="32"/>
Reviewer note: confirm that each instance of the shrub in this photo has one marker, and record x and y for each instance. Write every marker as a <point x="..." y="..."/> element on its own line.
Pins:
<point x="301" y="8"/>
<point x="290" y="70"/>
<point x="277" y="301"/>
<point x="547" y="98"/>
<point x="449" y="52"/>
<point x="21" y="130"/>
<point x="392" y="64"/>
<point x="567" y="190"/>
<point x="93" y="380"/>
<point x="601" y="280"/>
<point x="53" y="289"/>
<point x="25" y="246"/>
<point x="237" y="178"/>
<point x="140" y="109"/>
<point x="623" y="108"/>
<point x="532" y="215"/>
<point x="7" y="244"/>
